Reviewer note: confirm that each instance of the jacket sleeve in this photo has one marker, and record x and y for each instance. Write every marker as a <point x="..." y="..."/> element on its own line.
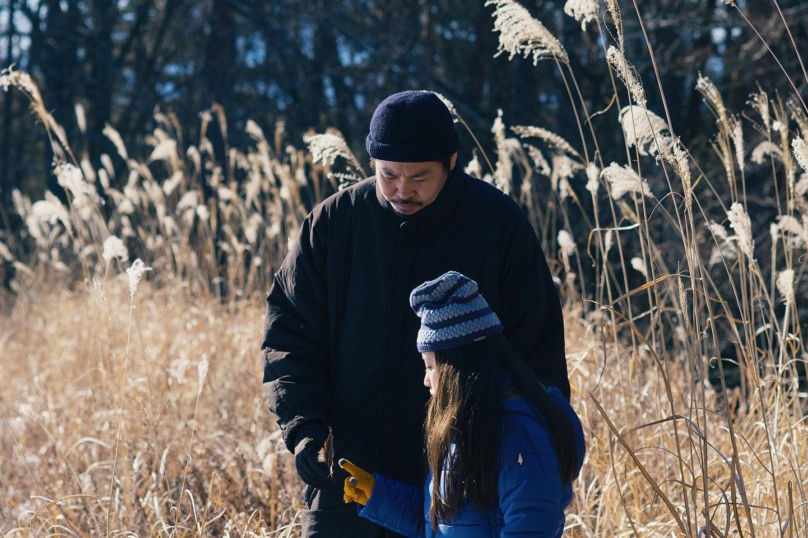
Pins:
<point x="396" y="506"/>
<point x="531" y="495"/>
<point x="296" y="334"/>
<point x="531" y="309"/>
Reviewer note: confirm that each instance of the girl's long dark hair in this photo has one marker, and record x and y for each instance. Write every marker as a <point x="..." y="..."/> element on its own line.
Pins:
<point x="466" y="410"/>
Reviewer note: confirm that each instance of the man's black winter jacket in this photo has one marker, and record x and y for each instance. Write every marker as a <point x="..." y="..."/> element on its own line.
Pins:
<point x="339" y="340"/>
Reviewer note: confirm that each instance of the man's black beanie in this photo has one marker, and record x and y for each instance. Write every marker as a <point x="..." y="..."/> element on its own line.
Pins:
<point x="413" y="126"/>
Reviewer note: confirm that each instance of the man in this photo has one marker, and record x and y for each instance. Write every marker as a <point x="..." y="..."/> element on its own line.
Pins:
<point x="339" y="340"/>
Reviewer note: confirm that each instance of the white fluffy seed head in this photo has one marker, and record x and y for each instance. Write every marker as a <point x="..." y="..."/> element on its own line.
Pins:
<point x="327" y="147"/>
<point x="115" y="137"/>
<point x="740" y="222"/>
<point x="609" y="240"/>
<point x="718" y="231"/>
<point x="760" y="102"/>
<point x="623" y="180"/>
<point x="59" y="214"/>
<point x="22" y="204"/>
<point x="800" y="148"/>
<point x="789" y="224"/>
<point x="71" y="179"/>
<point x="202" y="370"/>
<point x="736" y="130"/>
<point x="114" y="248"/>
<point x="645" y="130"/>
<point x="539" y="162"/>
<point x="522" y="34"/>
<point x="565" y="242"/>
<point x="592" y="175"/>
<point x="627" y="74"/>
<point x="22" y="81"/>
<point x="135" y="272"/>
<point x="81" y="118"/>
<point x="474" y="168"/>
<point x="255" y="131"/>
<point x="638" y="265"/>
<point x="503" y="173"/>
<point x="713" y="97"/>
<point x="166" y="150"/>
<point x="189" y="200"/>
<point x="785" y="284"/>
<point x="550" y="138"/>
<point x="683" y="300"/>
<point x="766" y="148"/>
<point x="582" y="11"/>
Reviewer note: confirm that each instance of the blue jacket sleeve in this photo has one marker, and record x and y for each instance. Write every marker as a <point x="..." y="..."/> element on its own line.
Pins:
<point x="531" y="496"/>
<point x="396" y="506"/>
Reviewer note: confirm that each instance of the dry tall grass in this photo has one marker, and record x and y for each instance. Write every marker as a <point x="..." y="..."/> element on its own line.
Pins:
<point x="192" y="458"/>
<point x="137" y="408"/>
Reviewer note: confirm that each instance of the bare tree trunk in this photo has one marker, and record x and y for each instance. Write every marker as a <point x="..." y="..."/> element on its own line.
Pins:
<point x="8" y="118"/>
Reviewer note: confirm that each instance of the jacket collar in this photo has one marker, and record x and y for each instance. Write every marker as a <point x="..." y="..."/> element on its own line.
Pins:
<point x="445" y="204"/>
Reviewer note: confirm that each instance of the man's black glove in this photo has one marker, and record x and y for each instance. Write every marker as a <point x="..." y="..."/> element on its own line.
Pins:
<point x="311" y="467"/>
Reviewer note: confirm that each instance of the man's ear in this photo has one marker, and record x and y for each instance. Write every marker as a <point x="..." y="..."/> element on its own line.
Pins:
<point x="453" y="161"/>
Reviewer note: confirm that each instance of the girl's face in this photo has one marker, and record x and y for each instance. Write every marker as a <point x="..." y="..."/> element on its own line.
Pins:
<point x="431" y="375"/>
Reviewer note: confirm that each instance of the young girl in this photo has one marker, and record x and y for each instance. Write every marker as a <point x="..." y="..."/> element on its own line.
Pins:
<point x="505" y="446"/>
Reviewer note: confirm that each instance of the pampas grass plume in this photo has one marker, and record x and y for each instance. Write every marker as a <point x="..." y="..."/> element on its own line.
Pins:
<point x="115" y="137"/>
<point x="624" y="180"/>
<point x="713" y="97"/>
<point x="202" y="369"/>
<point x="740" y="222"/>
<point x="114" y="248"/>
<point x="522" y="34"/>
<point x="565" y="242"/>
<point x="638" y="265"/>
<point x="582" y="11"/>
<point x="800" y="152"/>
<point x="549" y="137"/>
<point x="135" y="272"/>
<point x="785" y="284"/>
<point x="626" y="73"/>
<point x="645" y="130"/>
<point x="736" y="130"/>
<point x="766" y="148"/>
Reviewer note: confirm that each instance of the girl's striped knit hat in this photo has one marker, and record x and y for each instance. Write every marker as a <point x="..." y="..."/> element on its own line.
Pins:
<point x="452" y="312"/>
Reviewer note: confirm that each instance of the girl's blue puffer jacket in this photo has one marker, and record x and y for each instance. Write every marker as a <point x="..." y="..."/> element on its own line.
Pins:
<point x="531" y="497"/>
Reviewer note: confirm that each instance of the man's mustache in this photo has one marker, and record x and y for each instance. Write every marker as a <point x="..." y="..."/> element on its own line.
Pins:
<point x="399" y="201"/>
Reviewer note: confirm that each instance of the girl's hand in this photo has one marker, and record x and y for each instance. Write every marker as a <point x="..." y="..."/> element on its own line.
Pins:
<point x="359" y="486"/>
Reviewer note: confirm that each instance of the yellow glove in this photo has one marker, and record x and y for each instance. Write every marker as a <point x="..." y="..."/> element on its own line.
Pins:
<point x="359" y="486"/>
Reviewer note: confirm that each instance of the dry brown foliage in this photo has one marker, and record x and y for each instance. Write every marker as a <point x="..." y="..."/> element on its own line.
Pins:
<point x="136" y="408"/>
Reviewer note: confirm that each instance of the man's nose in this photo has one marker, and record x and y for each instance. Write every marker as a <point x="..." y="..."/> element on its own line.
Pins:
<point x="404" y="189"/>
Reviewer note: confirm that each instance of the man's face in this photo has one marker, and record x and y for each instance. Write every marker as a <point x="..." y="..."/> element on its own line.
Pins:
<point x="410" y="187"/>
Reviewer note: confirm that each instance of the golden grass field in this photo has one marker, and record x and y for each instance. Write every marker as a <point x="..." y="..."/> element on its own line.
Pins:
<point x="205" y="459"/>
<point x="132" y="402"/>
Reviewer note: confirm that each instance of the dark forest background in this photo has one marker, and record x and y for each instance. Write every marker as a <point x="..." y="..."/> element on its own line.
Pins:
<point x="313" y="64"/>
